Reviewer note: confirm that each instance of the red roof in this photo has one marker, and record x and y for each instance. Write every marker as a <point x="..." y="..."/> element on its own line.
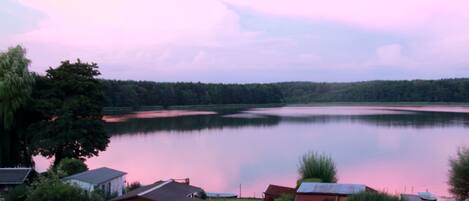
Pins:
<point x="275" y="190"/>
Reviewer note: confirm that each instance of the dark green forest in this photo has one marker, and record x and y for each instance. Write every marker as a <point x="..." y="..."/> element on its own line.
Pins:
<point x="146" y="93"/>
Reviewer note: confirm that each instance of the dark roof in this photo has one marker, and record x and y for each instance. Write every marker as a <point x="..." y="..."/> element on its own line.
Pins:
<point x="331" y="188"/>
<point x="164" y="191"/>
<point x="278" y="190"/>
<point x="97" y="176"/>
<point x="14" y="175"/>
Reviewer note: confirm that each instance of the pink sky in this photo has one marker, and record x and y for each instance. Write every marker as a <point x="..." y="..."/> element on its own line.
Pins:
<point x="245" y="40"/>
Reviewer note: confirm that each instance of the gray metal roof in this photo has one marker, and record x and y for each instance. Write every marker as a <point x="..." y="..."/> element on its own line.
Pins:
<point x="330" y="188"/>
<point x="14" y="175"/>
<point x="163" y="191"/>
<point x="421" y="196"/>
<point x="97" y="176"/>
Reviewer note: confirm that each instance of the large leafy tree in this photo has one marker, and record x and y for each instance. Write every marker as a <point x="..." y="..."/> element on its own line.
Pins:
<point x="15" y="92"/>
<point x="459" y="174"/>
<point x="71" y="98"/>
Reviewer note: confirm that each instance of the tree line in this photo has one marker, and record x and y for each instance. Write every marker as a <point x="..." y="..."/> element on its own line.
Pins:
<point x="146" y="93"/>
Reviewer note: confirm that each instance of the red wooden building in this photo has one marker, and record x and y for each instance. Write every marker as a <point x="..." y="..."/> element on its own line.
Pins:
<point x="273" y="191"/>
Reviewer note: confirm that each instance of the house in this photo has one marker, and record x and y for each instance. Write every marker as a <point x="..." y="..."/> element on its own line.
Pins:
<point x="108" y="180"/>
<point x="422" y="196"/>
<point x="273" y="191"/>
<point x="164" y="191"/>
<point x="312" y="191"/>
<point x="11" y="177"/>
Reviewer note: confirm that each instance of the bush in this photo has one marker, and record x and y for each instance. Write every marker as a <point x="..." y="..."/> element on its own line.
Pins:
<point x="319" y="167"/>
<point x="17" y="194"/>
<point x="459" y="174"/>
<point x="53" y="189"/>
<point x="69" y="166"/>
<point x="373" y="196"/>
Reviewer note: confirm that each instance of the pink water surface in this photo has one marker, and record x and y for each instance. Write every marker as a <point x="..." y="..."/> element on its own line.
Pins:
<point x="394" y="159"/>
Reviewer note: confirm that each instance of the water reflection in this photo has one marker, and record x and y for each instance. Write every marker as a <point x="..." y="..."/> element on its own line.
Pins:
<point x="256" y="119"/>
<point x="385" y="149"/>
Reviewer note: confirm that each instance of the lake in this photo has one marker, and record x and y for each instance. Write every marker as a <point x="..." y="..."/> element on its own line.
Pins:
<point x="395" y="149"/>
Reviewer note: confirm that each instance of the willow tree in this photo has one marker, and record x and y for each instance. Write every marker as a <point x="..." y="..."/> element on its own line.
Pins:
<point x="15" y="84"/>
<point x="15" y="91"/>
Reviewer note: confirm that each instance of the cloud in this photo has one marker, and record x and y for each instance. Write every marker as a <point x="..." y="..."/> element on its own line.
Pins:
<point x="377" y="14"/>
<point x="125" y="23"/>
<point x="245" y="40"/>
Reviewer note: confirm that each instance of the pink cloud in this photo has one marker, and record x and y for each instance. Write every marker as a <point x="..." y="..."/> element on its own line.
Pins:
<point x="383" y="14"/>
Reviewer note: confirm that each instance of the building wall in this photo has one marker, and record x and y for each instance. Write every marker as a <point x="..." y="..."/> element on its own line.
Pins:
<point x="310" y="197"/>
<point x="117" y="185"/>
<point x="83" y="185"/>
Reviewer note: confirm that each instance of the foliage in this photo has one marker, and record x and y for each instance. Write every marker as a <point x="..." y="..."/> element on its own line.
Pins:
<point x="15" y="83"/>
<point x="71" y="166"/>
<point x="53" y="189"/>
<point x="146" y="93"/>
<point x="286" y="197"/>
<point x="15" y="91"/>
<point x="71" y="99"/>
<point x="445" y="90"/>
<point x="17" y="194"/>
<point x="132" y="186"/>
<point x="202" y="195"/>
<point x="317" y="166"/>
<point x="459" y="174"/>
<point x="373" y="196"/>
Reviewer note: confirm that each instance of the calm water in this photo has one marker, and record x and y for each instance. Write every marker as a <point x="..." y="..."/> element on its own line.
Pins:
<point x="396" y="149"/>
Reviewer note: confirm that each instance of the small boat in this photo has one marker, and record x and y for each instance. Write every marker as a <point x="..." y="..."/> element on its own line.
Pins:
<point x="427" y="196"/>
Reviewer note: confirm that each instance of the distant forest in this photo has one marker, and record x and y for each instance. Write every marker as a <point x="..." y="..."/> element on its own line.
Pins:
<point x="145" y="93"/>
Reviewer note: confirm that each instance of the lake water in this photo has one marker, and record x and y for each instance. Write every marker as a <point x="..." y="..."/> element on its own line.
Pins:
<point x="396" y="149"/>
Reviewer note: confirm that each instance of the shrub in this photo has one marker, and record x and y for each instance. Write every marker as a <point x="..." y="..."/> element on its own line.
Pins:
<point x="70" y="166"/>
<point x="17" y="194"/>
<point x="53" y="189"/>
<point x="459" y="174"/>
<point x="319" y="167"/>
<point x="373" y="196"/>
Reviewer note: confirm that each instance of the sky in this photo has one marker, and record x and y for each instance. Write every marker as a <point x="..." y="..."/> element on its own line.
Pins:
<point x="244" y="41"/>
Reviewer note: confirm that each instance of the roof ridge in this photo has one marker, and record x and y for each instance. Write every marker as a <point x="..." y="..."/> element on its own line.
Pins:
<point x="19" y="168"/>
<point x="156" y="187"/>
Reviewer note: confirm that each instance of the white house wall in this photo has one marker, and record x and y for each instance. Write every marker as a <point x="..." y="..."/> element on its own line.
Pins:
<point x="117" y="185"/>
<point x="83" y="185"/>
